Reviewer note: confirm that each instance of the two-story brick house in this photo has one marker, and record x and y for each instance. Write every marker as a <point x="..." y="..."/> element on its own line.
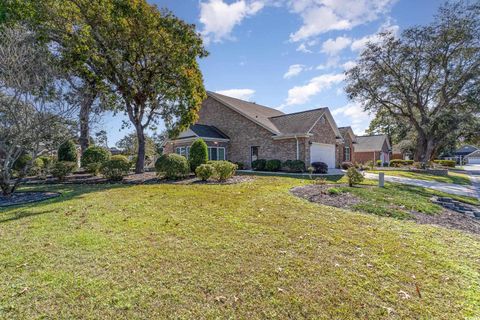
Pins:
<point x="241" y="131"/>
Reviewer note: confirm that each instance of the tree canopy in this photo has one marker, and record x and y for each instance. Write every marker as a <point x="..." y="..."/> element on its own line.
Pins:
<point x="426" y="80"/>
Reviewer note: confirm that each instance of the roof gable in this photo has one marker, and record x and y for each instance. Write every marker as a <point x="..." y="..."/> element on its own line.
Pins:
<point x="371" y="143"/>
<point x="202" y="131"/>
<point x="344" y="131"/>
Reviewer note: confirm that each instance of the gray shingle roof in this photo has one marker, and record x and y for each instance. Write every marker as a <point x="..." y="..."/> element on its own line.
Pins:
<point x="253" y="111"/>
<point x="202" y="131"/>
<point x="297" y="123"/>
<point x="370" y="143"/>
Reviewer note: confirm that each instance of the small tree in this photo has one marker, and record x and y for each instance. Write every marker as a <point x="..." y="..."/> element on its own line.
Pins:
<point x="68" y="151"/>
<point x="354" y="177"/>
<point x="198" y="154"/>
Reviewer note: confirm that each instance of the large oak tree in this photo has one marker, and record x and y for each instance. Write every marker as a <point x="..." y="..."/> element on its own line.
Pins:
<point x="426" y="79"/>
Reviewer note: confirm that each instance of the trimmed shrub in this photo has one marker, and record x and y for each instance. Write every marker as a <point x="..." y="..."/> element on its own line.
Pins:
<point x="259" y="165"/>
<point x="346" y="165"/>
<point x="67" y="152"/>
<point x="223" y="169"/>
<point x="94" y="154"/>
<point x="273" y="165"/>
<point x="400" y="162"/>
<point x="37" y="167"/>
<point x="294" y="165"/>
<point x="205" y="171"/>
<point x="354" y="177"/>
<point x="94" y="168"/>
<point x="198" y="154"/>
<point x="333" y="191"/>
<point x="61" y="169"/>
<point x="172" y="166"/>
<point x="446" y="163"/>
<point x="378" y="163"/>
<point x="21" y="162"/>
<point x="320" y="167"/>
<point x="240" y="165"/>
<point x="116" y="168"/>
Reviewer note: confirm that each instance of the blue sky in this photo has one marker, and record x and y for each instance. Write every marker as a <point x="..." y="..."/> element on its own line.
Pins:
<point x="288" y="54"/>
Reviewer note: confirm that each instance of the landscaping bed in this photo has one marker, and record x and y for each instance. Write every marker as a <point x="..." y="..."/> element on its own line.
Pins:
<point x="19" y="198"/>
<point x="405" y="204"/>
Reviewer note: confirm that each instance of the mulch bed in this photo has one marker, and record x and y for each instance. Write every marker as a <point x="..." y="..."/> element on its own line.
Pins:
<point x="135" y="178"/>
<point x="26" y="197"/>
<point x="447" y="218"/>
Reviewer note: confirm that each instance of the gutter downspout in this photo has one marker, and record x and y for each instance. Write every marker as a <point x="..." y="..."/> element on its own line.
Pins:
<point x="298" y="152"/>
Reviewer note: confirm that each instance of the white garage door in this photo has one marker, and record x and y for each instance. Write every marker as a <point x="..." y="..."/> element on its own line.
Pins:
<point x="473" y="160"/>
<point x="320" y="152"/>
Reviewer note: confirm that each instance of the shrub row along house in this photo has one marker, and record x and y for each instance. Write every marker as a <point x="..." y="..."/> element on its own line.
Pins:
<point x="242" y="132"/>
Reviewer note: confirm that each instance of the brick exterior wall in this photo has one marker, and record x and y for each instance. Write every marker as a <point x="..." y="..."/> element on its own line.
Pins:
<point x="341" y="150"/>
<point x="363" y="157"/>
<point x="244" y="134"/>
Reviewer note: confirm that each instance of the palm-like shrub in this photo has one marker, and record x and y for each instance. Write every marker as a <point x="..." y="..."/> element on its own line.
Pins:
<point x="67" y="151"/>
<point x="198" y="154"/>
<point x="172" y="166"/>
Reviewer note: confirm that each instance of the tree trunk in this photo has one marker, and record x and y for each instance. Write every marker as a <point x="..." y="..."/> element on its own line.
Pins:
<point x="85" y="109"/>
<point x="139" y="166"/>
<point x="424" y="149"/>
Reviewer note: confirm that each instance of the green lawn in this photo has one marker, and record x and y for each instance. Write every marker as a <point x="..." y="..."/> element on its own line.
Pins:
<point x="453" y="177"/>
<point x="247" y="251"/>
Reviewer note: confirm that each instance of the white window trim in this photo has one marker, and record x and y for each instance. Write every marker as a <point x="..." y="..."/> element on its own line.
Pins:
<point x="217" y="148"/>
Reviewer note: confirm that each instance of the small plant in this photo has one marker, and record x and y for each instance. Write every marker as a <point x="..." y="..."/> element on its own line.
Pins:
<point x="310" y="171"/>
<point x="223" y="169"/>
<point x="198" y="154"/>
<point x="273" y="165"/>
<point x="333" y="191"/>
<point x="94" y="168"/>
<point x="354" y="177"/>
<point x="320" y="181"/>
<point x="346" y="165"/>
<point x="172" y="166"/>
<point x="320" y="167"/>
<point x="294" y="165"/>
<point x="67" y="152"/>
<point x="205" y="171"/>
<point x="259" y="165"/>
<point x="94" y="154"/>
<point x="370" y="164"/>
<point x="61" y="169"/>
<point x="116" y="168"/>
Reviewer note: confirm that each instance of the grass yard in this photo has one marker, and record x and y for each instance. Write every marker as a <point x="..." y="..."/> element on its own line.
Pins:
<point x="250" y="251"/>
<point x="453" y="177"/>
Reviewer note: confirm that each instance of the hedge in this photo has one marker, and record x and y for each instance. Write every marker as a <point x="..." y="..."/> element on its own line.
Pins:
<point x="446" y="163"/>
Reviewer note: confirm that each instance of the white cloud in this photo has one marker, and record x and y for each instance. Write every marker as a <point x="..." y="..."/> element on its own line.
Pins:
<point x="320" y="16"/>
<point x="243" y="94"/>
<point x="302" y="94"/>
<point x="294" y="70"/>
<point x="360" y="44"/>
<point x="358" y="119"/>
<point x="303" y="48"/>
<point x="349" y="65"/>
<point x="334" y="46"/>
<point x="219" y="18"/>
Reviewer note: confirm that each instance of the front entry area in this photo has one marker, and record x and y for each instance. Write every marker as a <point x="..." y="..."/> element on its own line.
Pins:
<point x="321" y="152"/>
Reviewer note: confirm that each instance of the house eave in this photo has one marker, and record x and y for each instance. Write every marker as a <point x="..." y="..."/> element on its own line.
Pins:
<point x="291" y="136"/>
<point x="195" y="138"/>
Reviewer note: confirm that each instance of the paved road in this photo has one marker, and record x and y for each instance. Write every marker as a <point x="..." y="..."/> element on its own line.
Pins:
<point x="474" y="173"/>
<point x="461" y="190"/>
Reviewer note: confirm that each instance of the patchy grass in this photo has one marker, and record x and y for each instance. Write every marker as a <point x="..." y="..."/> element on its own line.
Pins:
<point x="249" y="250"/>
<point x="453" y="177"/>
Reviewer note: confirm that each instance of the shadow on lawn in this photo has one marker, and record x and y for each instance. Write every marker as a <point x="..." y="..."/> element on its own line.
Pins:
<point x="67" y="192"/>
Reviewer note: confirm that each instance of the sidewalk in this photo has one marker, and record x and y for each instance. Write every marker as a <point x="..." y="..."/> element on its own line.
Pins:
<point x="456" y="189"/>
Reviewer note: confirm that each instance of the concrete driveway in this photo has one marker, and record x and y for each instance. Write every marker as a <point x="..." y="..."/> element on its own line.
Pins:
<point x="474" y="173"/>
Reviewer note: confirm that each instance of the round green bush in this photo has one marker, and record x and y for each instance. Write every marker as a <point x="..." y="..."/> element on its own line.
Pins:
<point x="116" y="168"/>
<point x="61" y="169"/>
<point x="94" y="168"/>
<point x="94" y="154"/>
<point x="345" y="165"/>
<point x="294" y="165"/>
<point x="259" y="165"/>
<point x="67" y="151"/>
<point x="198" y="154"/>
<point x="273" y="165"/>
<point x="320" y="167"/>
<point x="205" y="171"/>
<point x="172" y="166"/>
<point x="223" y="169"/>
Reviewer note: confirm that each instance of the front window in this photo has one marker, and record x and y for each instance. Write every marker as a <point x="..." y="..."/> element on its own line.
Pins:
<point x="347" y="153"/>
<point x="183" y="151"/>
<point x="216" y="153"/>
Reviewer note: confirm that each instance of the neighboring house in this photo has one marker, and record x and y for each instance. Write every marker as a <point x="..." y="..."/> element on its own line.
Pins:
<point x="461" y="153"/>
<point x="346" y="153"/>
<point x="473" y="158"/>
<point x="372" y="148"/>
<point x="241" y="131"/>
<point x="397" y="153"/>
